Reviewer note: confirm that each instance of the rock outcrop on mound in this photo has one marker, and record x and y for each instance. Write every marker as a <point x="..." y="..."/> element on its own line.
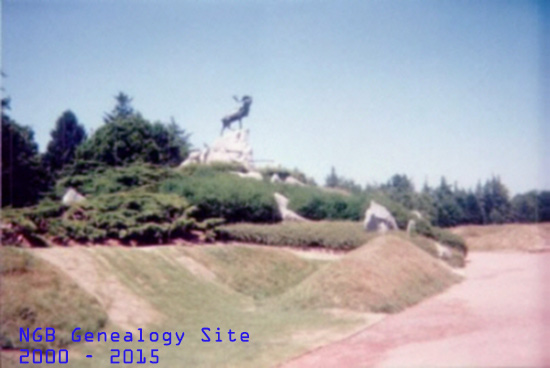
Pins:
<point x="286" y="214"/>
<point x="232" y="147"/>
<point x="385" y="275"/>
<point x="250" y="175"/>
<point x="72" y="197"/>
<point x="378" y="218"/>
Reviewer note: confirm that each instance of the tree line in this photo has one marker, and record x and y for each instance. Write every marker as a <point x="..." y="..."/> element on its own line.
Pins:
<point x="449" y="205"/>
<point x="125" y="137"/>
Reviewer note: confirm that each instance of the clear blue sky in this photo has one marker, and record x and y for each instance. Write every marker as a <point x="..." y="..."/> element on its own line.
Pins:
<point x="374" y="88"/>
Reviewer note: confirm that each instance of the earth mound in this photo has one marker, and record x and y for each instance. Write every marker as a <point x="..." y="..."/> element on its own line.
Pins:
<point x="385" y="275"/>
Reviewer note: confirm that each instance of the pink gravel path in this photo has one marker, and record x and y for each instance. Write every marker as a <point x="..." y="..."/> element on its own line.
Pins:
<point x="498" y="317"/>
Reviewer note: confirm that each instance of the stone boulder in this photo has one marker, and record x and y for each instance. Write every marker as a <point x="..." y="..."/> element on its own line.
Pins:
<point x="293" y="181"/>
<point x="251" y="175"/>
<point x="379" y="219"/>
<point x="443" y="251"/>
<point x="411" y="226"/>
<point x="232" y="147"/>
<point x="275" y="178"/>
<point x="286" y="214"/>
<point x="72" y="196"/>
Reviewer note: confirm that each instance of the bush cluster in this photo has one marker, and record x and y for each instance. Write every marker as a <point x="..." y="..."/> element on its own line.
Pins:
<point x="91" y="178"/>
<point x="424" y="228"/>
<point x="326" y="234"/>
<point x="137" y="216"/>
<point x="318" y="204"/>
<point x="149" y="204"/>
<point x="224" y="195"/>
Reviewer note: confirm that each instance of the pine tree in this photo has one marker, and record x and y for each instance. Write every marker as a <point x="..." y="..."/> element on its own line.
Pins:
<point x="23" y="178"/>
<point x="67" y="135"/>
<point x="122" y="110"/>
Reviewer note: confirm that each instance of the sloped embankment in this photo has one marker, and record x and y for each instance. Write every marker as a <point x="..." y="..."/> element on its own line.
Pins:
<point x="385" y="275"/>
<point x="259" y="272"/>
<point x="522" y="237"/>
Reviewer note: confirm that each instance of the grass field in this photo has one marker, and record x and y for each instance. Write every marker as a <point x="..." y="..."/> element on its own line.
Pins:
<point x="155" y="282"/>
<point x="505" y="237"/>
<point x="249" y="289"/>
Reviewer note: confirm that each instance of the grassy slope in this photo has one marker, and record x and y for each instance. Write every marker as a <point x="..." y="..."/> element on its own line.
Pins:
<point x="255" y="271"/>
<point x="187" y="302"/>
<point x="505" y="237"/>
<point x="246" y="293"/>
<point x="35" y="294"/>
<point x="385" y="275"/>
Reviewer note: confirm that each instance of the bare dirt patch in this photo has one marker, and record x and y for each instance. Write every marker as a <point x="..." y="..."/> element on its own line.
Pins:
<point x="123" y="307"/>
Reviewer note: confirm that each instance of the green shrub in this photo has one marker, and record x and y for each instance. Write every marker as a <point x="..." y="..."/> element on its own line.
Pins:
<point x="325" y="234"/>
<point x="224" y="195"/>
<point x="129" y="139"/>
<point x="318" y="204"/>
<point x="137" y="215"/>
<point x="212" y="168"/>
<point x="424" y="228"/>
<point x="103" y="180"/>
<point x="34" y="294"/>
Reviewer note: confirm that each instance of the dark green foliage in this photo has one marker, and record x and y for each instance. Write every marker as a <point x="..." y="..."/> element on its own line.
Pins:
<point x="340" y="182"/>
<point x="531" y="207"/>
<point x="544" y="206"/>
<point x="129" y="138"/>
<point x="325" y="234"/>
<point x="132" y="140"/>
<point x="67" y="135"/>
<point x="122" y="110"/>
<point x="447" y="205"/>
<point x="97" y="179"/>
<point x="139" y="216"/>
<point x="496" y="201"/>
<point x="173" y="141"/>
<point x="424" y="228"/>
<point x="216" y="193"/>
<point x="525" y="207"/>
<point x="332" y="180"/>
<point x="202" y="170"/>
<point x="23" y="178"/>
<point x="448" y="212"/>
<point x="34" y="294"/>
<point x="472" y="212"/>
<point x="318" y="204"/>
<point x="401" y="190"/>
<point x="225" y="195"/>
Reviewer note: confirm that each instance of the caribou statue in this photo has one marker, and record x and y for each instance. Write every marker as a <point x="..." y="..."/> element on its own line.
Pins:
<point x="243" y="111"/>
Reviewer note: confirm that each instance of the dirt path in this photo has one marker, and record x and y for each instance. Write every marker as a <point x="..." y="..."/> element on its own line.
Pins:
<point x="124" y="308"/>
<point x="499" y="316"/>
